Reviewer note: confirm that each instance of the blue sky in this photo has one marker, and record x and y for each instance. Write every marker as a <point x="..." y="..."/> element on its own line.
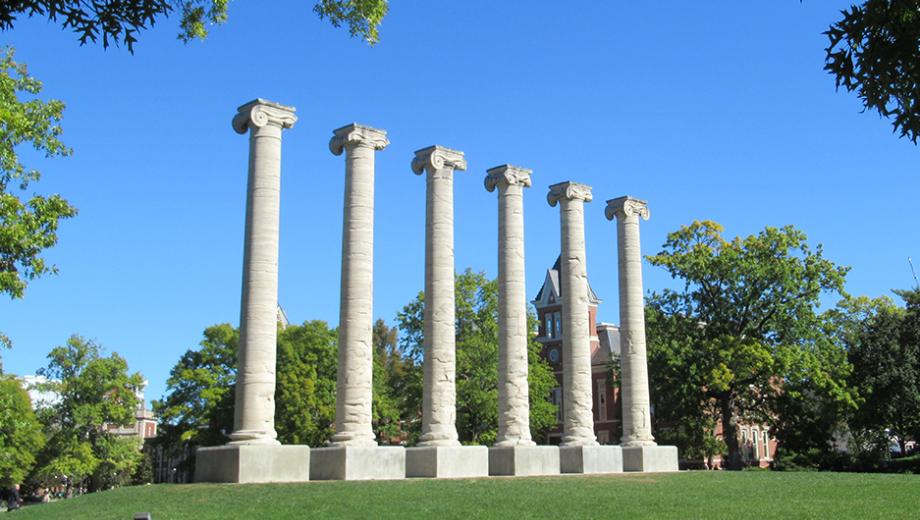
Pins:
<point x="709" y="110"/>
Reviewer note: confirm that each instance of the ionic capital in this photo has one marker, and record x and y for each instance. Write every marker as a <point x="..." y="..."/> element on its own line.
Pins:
<point x="357" y="135"/>
<point x="507" y="175"/>
<point x="568" y="191"/>
<point x="627" y="206"/>
<point x="259" y="112"/>
<point x="435" y="158"/>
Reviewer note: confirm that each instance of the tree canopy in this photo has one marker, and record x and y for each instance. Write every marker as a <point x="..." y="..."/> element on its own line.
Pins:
<point x="20" y="433"/>
<point x="95" y="393"/>
<point x="115" y="22"/>
<point x="874" y="50"/>
<point x="477" y="362"/>
<point x="744" y="329"/>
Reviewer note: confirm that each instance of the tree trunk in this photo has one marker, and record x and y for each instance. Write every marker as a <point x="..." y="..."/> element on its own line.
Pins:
<point x="730" y="432"/>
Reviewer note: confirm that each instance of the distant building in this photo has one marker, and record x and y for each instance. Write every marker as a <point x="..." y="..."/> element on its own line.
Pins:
<point x="605" y="346"/>
<point x="757" y="446"/>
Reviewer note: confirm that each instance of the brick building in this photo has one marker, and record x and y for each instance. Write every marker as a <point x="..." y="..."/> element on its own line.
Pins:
<point x="757" y="446"/>
<point x="605" y="344"/>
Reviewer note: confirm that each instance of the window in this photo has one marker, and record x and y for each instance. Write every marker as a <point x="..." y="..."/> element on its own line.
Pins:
<point x="744" y="441"/>
<point x="558" y="318"/>
<point x="601" y="399"/>
<point x="549" y="326"/>
<point x="755" y="440"/>
<point x="556" y="399"/>
<point x="766" y="444"/>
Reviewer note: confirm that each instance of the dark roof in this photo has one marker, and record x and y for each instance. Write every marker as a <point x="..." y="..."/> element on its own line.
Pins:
<point x="555" y="279"/>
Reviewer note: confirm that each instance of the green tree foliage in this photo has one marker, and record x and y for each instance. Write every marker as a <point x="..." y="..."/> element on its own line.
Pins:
<point x="874" y="50"/>
<point x="305" y="393"/>
<point x="20" y="433"/>
<point x="885" y="353"/>
<point x="120" y="21"/>
<point x="391" y="374"/>
<point x="27" y="227"/>
<point x="95" y="393"/>
<point x="743" y="329"/>
<point x="198" y="407"/>
<point x="477" y="362"/>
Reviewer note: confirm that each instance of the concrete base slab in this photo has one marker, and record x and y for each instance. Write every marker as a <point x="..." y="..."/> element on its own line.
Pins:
<point x="590" y="459"/>
<point x="524" y="461"/>
<point x="358" y="463"/>
<point x="248" y="463"/>
<point x="447" y="462"/>
<point x="650" y="458"/>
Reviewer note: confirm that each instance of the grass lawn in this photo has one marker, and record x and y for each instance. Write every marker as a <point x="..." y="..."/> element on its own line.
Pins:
<point x="735" y="495"/>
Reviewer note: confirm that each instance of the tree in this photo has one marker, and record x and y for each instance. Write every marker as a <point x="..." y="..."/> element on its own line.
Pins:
<point x="744" y="329"/>
<point x="874" y="50"/>
<point x="390" y="377"/>
<point x="198" y="407"/>
<point x="20" y="433"/>
<point x="477" y="362"/>
<point x="885" y="354"/>
<point x="305" y="395"/>
<point x="95" y="393"/>
<point x="121" y="21"/>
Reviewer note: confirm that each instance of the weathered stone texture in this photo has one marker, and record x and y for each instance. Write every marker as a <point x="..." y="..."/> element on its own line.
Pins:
<point x="254" y="411"/>
<point x="439" y="394"/>
<point x="578" y="422"/>
<point x="355" y="368"/>
<point x="513" y="392"/>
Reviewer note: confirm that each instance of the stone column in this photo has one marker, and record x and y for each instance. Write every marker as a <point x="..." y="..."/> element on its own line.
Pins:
<point x="254" y="411"/>
<point x="578" y="423"/>
<point x="637" y="429"/>
<point x="513" y="392"/>
<point x="353" y="415"/>
<point x="439" y="394"/>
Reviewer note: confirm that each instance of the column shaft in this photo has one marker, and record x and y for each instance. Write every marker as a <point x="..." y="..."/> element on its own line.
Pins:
<point x="576" y="341"/>
<point x="355" y="368"/>
<point x="513" y="390"/>
<point x="637" y="429"/>
<point x="440" y="395"/>
<point x="254" y="412"/>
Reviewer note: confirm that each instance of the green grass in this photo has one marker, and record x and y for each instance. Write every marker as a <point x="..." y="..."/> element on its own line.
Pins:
<point x="735" y="495"/>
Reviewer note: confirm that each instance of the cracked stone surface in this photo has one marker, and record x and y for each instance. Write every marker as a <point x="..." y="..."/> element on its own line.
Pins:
<point x="578" y="421"/>
<point x="254" y="410"/>
<point x="513" y="392"/>
<point x="439" y="394"/>
<point x="354" y="395"/>
<point x="637" y="428"/>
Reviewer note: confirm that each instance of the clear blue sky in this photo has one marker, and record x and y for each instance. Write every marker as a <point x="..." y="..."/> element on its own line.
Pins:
<point x="709" y="110"/>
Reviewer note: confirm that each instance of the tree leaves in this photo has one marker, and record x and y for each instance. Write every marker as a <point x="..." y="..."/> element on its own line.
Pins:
<point x="874" y="50"/>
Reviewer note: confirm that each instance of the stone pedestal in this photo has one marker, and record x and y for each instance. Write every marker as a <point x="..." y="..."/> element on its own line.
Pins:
<point x="358" y="463"/>
<point x="447" y="461"/>
<point x="590" y="459"/>
<point x="650" y="459"/>
<point x="524" y="461"/>
<point x="251" y="463"/>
